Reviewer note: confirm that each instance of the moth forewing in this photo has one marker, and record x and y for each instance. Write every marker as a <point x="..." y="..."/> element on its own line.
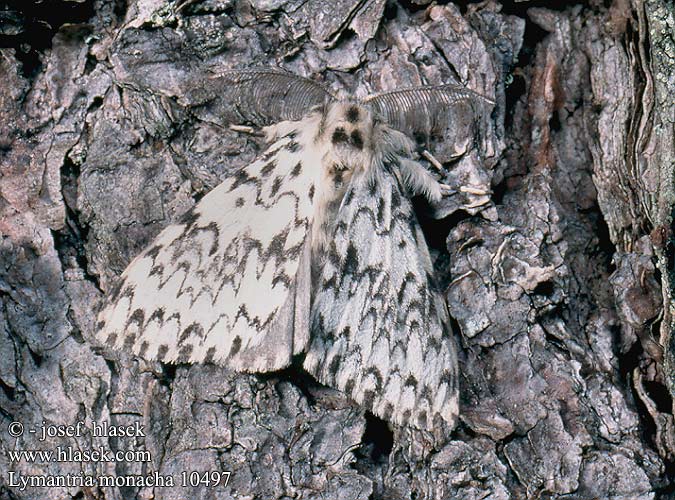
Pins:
<point x="380" y="329"/>
<point x="213" y="287"/>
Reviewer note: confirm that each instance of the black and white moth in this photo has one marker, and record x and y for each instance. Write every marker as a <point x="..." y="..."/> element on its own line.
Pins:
<point x="314" y="248"/>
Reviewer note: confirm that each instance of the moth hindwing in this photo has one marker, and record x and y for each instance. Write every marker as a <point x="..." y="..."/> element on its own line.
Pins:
<point x="314" y="248"/>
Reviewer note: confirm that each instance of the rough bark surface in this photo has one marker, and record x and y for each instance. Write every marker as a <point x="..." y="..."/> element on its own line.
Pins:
<point x="559" y="282"/>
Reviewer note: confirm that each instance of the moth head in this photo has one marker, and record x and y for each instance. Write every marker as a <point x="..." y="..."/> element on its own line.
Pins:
<point x="348" y="129"/>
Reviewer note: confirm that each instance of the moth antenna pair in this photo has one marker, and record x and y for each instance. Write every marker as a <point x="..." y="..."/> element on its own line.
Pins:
<point x="265" y="96"/>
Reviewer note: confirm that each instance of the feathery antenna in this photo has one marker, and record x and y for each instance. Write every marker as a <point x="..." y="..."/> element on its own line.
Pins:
<point x="265" y="96"/>
<point x="422" y="109"/>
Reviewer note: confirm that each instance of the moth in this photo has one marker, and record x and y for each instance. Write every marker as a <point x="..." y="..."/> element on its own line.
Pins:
<point x="311" y="252"/>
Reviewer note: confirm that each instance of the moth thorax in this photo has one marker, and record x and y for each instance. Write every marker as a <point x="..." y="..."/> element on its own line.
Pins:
<point x="345" y="134"/>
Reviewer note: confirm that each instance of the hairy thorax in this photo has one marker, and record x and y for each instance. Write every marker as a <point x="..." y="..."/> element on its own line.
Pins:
<point x="344" y="139"/>
<point x="345" y="136"/>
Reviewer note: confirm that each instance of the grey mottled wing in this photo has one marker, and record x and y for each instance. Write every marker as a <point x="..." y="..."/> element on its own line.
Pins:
<point x="379" y="326"/>
<point x="229" y="283"/>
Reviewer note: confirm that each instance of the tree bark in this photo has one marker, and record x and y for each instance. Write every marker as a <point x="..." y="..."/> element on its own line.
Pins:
<point x="559" y="283"/>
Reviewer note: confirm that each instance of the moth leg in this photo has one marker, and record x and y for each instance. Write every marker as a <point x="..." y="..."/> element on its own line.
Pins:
<point x="447" y="189"/>
<point x="433" y="161"/>
<point x="475" y="190"/>
<point x="244" y="129"/>
<point x="419" y="180"/>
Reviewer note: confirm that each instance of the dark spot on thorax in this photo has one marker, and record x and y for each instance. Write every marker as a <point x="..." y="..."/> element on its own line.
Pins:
<point x="357" y="139"/>
<point x="339" y="135"/>
<point x="337" y="172"/>
<point x="337" y="177"/>
<point x="353" y="114"/>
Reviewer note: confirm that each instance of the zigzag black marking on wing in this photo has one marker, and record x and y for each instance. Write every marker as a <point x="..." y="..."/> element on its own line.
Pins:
<point x="206" y="253"/>
<point x="274" y="250"/>
<point x="383" y="293"/>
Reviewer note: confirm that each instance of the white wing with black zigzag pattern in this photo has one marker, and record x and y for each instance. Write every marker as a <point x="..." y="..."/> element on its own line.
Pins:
<point x="380" y="328"/>
<point x="230" y="282"/>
